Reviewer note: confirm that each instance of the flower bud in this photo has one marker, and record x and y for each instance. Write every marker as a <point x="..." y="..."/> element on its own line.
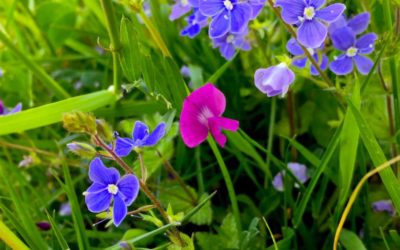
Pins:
<point x="82" y="149"/>
<point x="104" y="130"/>
<point x="80" y="122"/>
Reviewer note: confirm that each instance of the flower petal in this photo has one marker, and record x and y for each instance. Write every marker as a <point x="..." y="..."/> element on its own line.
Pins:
<point x="128" y="186"/>
<point x="294" y="48"/>
<point x="316" y="3"/>
<point x="384" y="206"/>
<point x="123" y="146"/>
<point x="299" y="170"/>
<point x="312" y="33"/>
<point x="101" y="174"/>
<point x="274" y="80"/>
<point x="98" y="202"/>
<point x="217" y="124"/>
<point x="277" y="182"/>
<point x="359" y="23"/>
<point x="256" y="10"/>
<point x="179" y="10"/>
<point x="140" y="131"/>
<point x="291" y="10"/>
<point x="364" y="64"/>
<point x="322" y="62"/>
<point x="119" y="210"/>
<point x="365" y="44"/>
<point x="342" y="66"/>
<point x="211" y="7"/>
<point x="96" y="188"/>
<point x="300" y="62"/>
<point x="338" y="24"/>
<point x="194" y="3"/>
<point x="240" y="16"/>
<point x="343" y="38"/>
<point x="220" y="25"/>
<point x="331" y="13"/>
<point x="16" y="109"/>
<point x="227" y="50"/>
<point x="155" y="136"/>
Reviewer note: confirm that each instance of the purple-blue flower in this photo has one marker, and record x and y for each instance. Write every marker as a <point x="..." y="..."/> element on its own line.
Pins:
<point x="140" y="138"/>
<point x="358" y="24"/>
<point x="196" y="22"/>
<point x="227" y="16"/>
<point x="8" y="111"/>
<point x="228" y="44"/>
<point x="256" y="7"/>
<point x="274" y="80"/>
<point x="354" y="50"/>
<point x="309" y="16"/>
<point x="300" y="59"/>
<point x="384" y="206"/>
<point x="185" y="71"/>
<point x="298" y="170"/>
<point x="107" y="187"/>
<point x="65" y="209"/>
<point x="180" y="8"/>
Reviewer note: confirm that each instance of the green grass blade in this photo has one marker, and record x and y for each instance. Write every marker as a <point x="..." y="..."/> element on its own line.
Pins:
<point x="52" y="113"/>
<point x="60" y="238"/>
<point x="301" y="208"/>
<point x="217" y="74"/>
<point x="197" y="208"/>
<point x="10" y="238"/>
<point x="377" y="156"/>
<point x="36" y="69"/>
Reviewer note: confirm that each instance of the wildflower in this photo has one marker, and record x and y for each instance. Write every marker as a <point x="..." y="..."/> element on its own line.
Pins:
<point x="228" y="44"/>
<point x="354" y="51"/>
<point x="65" y="209"/>
<point x="309" y="16"/>
<point x="7" y="111"/>
<point x="358" y="24"/>
<point x="196" y="22"/>
<point x="180" y="8"/>
<point x="43" y="225"/>
<point x="140" y="138"/>
<point x="384" y="206"/>
<point x="274" y="80"/>
<point x="107" y="186"/>
<point x="300" y="61"/>
<point x="26" y="161"/>
<point x="298" y="170"/>
<point x="185" y="71"/>
<point x="256" y="6"/>
<point x="227" y="16"/>
<point x="202" y="113"/>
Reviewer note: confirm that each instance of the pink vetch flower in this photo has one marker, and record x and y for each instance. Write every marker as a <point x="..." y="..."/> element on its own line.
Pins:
<point x="202" y="113"/>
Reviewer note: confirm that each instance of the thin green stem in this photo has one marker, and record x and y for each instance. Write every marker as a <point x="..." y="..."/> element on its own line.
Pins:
<point x="115" y="46"/>
<point x="36" y="69"/>
<point x="143" y="169"/>
<point x="199" y="171"/>
<point x="271" y="129"/>
<point x="228" y="182"/>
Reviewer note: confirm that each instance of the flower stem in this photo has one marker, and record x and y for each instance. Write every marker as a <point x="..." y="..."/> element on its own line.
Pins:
<point x="112" y="29"/>
<point x="353" y="196"/>
<point x="171" y="170"/>
<point x="328" y="82"/>
<point x="292" y="122"/>
<point x="143" y="169"/>
<point x="228" y="182"/>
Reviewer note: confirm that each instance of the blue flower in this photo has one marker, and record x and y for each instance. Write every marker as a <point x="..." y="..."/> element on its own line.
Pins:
<point x="8" y="111"/>
<point x="358" y="23"/>
<point x="301" y="60"/>
<point x="384" y="206"/>
<point x="140" y="138"/>
<point x="298" y="170"/>
<point x="274" y="80"/>
<point x="354" y="50"/>
<point x="228" y="44"/>
<point x="108" y="186"/>
<point x="309" y="16"/>
<point x="256" y="6"/>
<point x="180" y="8"/>
<point x="196" y="22"/>
<point x="227" y="16"/>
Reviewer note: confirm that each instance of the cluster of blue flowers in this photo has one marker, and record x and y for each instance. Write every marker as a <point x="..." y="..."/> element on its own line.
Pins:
<point x="229" y="21"/>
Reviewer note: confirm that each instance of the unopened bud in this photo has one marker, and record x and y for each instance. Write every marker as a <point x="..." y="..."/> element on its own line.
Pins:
<point x="104" y="129"/>
<point x="82" y="149"/>
<point x="80" y="122"/>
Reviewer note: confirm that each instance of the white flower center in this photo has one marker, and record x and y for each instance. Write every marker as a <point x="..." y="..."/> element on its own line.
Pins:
<point x="204" y="115"/>
<point x="112" y="189"/>
<point x="351" y="52"/>
<point x="309" y="13"/>
<point x="228" y="4"/>
<point x="230" y="38"/>
<point x="311" y="51"/>
<point x="184" y="2"/>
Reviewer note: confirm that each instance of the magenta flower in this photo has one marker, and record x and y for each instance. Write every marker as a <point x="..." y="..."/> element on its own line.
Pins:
<point x="202" y="113"/>
<point x="274" y="80"/>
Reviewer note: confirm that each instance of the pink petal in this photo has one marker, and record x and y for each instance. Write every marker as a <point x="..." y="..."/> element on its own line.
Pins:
<point x="217" y="124"/>
<point x="208" y="96"/>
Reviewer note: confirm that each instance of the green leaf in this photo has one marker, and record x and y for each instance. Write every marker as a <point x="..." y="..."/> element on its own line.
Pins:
<point x="351" y="241"/>
<point x="377" y="156"/>
<point x="52" y="113"/>
<point x="186" y="239"/>
<point x="205" y="214"/>
<point x="60" y="238"/>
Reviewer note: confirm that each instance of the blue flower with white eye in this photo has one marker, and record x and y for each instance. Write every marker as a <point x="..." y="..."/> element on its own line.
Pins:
<point x="140" y="138"/>
<point x="196" y="22"/>
<point x="227" y="16"/>
<point x="8" y="111"/>
<point x="179" y="9"/>
<point x="354" y="50"/>
<point x="301" y="60"/>
<point x="107" y="186"/>
<point x="228" y="44"/>
<point x="358" y="24"/>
